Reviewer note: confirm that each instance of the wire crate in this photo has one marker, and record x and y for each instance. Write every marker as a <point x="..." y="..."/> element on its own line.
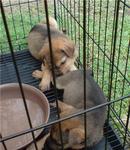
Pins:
<point x="100" y="29"/>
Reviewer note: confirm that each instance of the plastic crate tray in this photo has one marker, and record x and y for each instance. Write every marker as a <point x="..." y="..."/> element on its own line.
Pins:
<point x="26" y="65"/>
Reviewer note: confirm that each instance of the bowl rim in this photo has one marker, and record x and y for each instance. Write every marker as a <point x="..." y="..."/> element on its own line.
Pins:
<point x="35" y="90"/>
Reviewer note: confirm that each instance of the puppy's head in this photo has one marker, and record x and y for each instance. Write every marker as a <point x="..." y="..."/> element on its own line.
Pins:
<point x="72" y="131"/>
<point x="64" y="55"/>
<point x="72" y="135"/>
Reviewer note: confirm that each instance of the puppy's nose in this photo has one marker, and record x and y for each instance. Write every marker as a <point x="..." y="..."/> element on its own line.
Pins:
<point x="56" y="67"/>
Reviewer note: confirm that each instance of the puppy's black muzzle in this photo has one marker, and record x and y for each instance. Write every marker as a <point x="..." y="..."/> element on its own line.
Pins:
<point x="57" y="72"/>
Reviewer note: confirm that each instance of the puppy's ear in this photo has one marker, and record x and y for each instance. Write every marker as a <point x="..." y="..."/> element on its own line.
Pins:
<point x="70" y="124"/>
<point x="64" y="107"/>
<point x="41" y="54"/>
<point x="44" y="51"/>
<point x="67" y="125"/>
<point x="69" y="48"/>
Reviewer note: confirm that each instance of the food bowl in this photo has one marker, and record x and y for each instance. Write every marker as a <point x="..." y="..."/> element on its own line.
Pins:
<point x="13" y="117"/>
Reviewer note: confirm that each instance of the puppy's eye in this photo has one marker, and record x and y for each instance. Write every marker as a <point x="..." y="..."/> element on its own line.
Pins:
<point x="63" y="61"/>
<point x="62" y="50"/>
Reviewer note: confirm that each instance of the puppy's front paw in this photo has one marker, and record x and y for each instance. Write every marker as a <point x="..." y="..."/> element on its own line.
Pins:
<point x="37" y="74"/>
<point x="44" y="85"/>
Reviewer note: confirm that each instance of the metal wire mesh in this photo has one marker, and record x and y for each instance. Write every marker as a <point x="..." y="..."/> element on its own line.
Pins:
<point x="100" y="31"/>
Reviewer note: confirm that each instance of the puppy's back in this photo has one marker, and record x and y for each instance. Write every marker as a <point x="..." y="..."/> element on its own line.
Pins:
<point x="73" y="85"/>
<point x="37" y="37"/>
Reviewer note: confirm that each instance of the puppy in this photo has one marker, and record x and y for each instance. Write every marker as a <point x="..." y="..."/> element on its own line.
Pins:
<point x="73" y="129"/>
<point x="64" y="52"/>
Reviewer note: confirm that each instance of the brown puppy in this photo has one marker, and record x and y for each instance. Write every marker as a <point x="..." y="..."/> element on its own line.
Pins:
<point x="64" y="52"/>
<point x="73" y="129"/>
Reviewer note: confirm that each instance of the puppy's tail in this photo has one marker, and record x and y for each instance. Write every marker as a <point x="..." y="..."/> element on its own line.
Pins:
<point x="52" y="22"/>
